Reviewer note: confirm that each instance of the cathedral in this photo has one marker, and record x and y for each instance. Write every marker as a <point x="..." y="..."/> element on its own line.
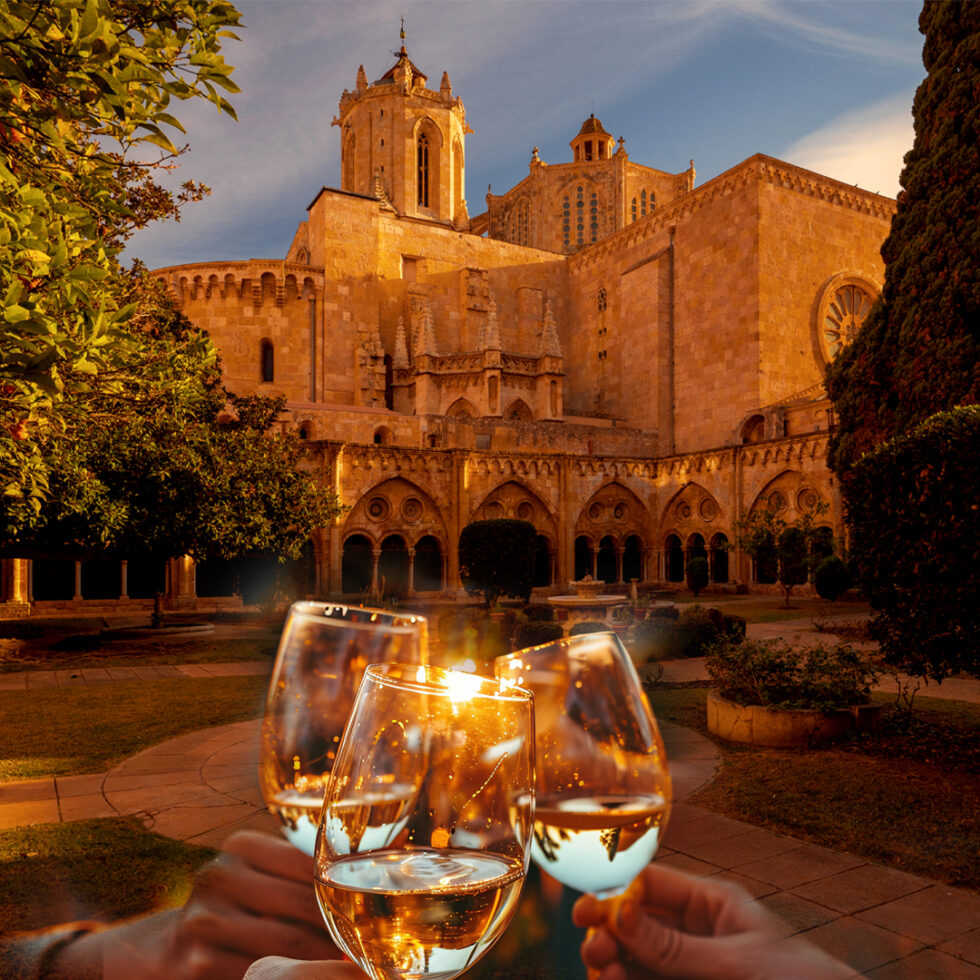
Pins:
<point x="628" y="361"/>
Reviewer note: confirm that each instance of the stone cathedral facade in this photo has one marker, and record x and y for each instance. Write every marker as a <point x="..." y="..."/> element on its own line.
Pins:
<point x="626" y="360"/>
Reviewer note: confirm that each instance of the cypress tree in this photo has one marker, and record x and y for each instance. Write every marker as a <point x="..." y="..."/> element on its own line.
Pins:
<point x="919" y="349"/>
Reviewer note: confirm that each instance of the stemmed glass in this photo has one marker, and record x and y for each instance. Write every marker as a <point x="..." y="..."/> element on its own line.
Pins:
<point x="423" y="840"/>
<point x="603" y="787"/>
<point x="320" y="661"/>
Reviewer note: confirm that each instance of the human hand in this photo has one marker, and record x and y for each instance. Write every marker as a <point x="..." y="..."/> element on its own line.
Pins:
<point x="672" y="926"/>
<point x="256" y="899"/>
<point x="279" y="968"/>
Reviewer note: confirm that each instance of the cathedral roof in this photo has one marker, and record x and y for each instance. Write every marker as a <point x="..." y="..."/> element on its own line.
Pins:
<point x="592" y="125"/>
<point x="403" y="58"/>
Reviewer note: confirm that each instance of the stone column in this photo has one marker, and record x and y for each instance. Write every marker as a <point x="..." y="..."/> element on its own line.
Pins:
<point x="124" y="579"/>
<point x="375" y="558"/>
<point x="411" y="573"/>
<point x="78" y="581"/>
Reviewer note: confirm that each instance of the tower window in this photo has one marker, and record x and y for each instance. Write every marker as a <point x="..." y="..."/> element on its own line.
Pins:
<point x="643" y="203"/>
<point x="423" y="171"/>
<point x="267" y="361"/>
<point x="588" y="149"/>
<point x="594" y="217"/>
<point x="601" y="299"/>
<point x="634" y="209"/>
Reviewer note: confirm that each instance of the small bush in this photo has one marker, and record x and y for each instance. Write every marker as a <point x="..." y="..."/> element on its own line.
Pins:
<point x="733" y="627"/>
<point x="539" y="612"/>
<point x="703" y="627"/>
<point x="773" y="674"/>
<point x="534" y="634"/>
<point x="654" y="639"/>
<point x="588" y="626"/>
<point x="697" y="574"/>
<point x="831" y="578"/>
<point x="664" y="612"/>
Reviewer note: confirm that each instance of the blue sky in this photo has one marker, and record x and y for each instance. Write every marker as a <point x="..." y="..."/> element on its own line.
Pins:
<point x="824" y="84"/>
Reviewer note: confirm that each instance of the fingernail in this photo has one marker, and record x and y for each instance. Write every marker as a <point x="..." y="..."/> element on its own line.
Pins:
<point x="627" y="918"/>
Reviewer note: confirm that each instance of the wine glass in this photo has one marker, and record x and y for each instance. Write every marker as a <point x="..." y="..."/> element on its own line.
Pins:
<point x="423" y="840"/>
<point x="320" y="661"/>
<point x="602" y="784"/>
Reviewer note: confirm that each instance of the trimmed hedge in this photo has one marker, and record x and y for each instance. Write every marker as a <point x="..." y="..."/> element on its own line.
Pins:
<point x="539" y="612"/>
<point x="535" y="633"/>
<point x="588" y="626"/>
<point x="913" y="509"/>
<point x="831" y="578"/>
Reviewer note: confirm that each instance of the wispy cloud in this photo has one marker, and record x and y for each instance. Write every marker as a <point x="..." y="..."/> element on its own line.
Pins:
<point x="864" y="147"/>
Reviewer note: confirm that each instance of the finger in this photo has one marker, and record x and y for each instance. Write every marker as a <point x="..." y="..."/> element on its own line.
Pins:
<point x="280" y="968"/>
<point x="270" y="854"/>
<point x="224" y="927"/>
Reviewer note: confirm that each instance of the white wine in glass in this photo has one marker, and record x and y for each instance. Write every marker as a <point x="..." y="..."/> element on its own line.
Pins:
<point x="603" y="786"/>
<point x="418" y="885"/>
<point x="320" y="661"/>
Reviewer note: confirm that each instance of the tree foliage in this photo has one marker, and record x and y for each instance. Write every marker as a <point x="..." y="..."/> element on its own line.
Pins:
<point x="84" y="120"/>
<point x="698" y="574"/>
<point x="496" y="557"/>
<point x="183" y="475"/>
<point x="918" y="350"/>
<point x="914" y="499"/>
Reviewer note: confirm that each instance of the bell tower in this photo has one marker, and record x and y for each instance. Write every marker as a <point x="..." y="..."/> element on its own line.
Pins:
<point x="404" y="143"/>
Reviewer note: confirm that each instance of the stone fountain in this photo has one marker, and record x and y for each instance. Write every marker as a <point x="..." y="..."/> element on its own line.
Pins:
<point x="588" y="603"/>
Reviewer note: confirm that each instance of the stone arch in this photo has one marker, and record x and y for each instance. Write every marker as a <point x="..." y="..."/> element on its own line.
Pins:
<point x="462" y="408"/>
<point x="792" y="494"/>
<point x="397" y="506"/>
<point x="579" y="202"/>
<point x="693" y="509"/>
<point x="383" y="436"/>
<point x="519" y="502"/>
<point x="428" y="144"/>
<point x="356" y="563"/>
<point x="673" y="558"/>
<point x="428" y="572"/>
<point x="306" y="429"/>
<point x="517" y="411"/>
<point x="615" y="513"/>
<point x="752" y="430"/>
<point x="718" y="548"/>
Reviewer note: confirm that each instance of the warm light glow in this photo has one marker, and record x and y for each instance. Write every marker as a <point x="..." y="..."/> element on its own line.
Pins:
<point x="462" y="686"/>
<point x="420" y="675"/>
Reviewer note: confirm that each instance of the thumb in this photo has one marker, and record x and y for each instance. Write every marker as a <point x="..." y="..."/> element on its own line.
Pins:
<point x="666" y="951"/>
<point x="280" y="968"/>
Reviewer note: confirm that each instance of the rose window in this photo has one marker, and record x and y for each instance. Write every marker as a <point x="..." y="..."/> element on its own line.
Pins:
<point x="844" y="313"/>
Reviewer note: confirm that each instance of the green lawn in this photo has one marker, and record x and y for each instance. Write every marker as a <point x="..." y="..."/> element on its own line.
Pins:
<point x="69" y="731"/>
<point x="909" y="798"/>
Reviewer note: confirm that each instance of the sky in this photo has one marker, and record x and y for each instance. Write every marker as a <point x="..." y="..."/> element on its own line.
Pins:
<point x="823" y="84"/>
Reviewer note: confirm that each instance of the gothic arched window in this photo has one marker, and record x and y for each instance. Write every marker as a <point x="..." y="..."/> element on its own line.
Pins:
<point x="643" y="203"/>
<point x="601" y="299"/>
<point x="267" y="361"/>
<point x="423" y="170"/>
<point x="651" y="202"/>
<point x="634" y="209"/>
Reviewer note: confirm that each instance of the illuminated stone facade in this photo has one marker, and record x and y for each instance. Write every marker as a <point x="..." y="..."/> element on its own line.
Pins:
<point x="627" y="361"/>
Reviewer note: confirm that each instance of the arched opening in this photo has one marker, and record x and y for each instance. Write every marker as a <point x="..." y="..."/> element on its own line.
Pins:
<point x="633" y="558"/>
<point x="422" y="170"/>
<point x="355" y="567"/>
<point x="606" y="560"/>
<point x="718" y="558"/>
<point x="393" y="566"/>
<point x="267" y="359"/>
<point x="673" y="559"/>
<point x="695" y="547"/>
<point x="766" y="563"/>
<point x="382" y="436"/>
<point x="461" y="409"/>
<point x="583" y="557"/>
<point x="542" y="562"/>
<point x="821" y="545"/>
<point x="518" y="411"/>
<point x="754" y="430"/>
<point x="101" y="579"/>
<point x="52" y="578"/>
<point x="145" y="577"/>
<point x="428" y="565"/>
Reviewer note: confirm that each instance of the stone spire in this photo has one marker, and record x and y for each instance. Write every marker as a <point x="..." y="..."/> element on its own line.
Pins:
<point x="362" y="83"/>
<point x="425" y="339"/>
<point x="550" y="345"/>
<point x="445" y="88"/>
<point x="490" y="331"/>
<point x="400" y="357"/>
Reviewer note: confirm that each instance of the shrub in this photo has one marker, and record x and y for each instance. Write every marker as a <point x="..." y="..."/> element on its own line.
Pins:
<point x="773" y="674"/>
<point x="533" y="634"/>
<point x="697" y="574"/>
<point x="655" y="639"/>
<point x="912" y="505"/>
<point x="733" y="627"/>
<point x="701" y="628"/>
<point x="664" y="612"/>
<point x="831" y="578"/>
<point x="539" y="612"/>
<point x="588" y="626"/>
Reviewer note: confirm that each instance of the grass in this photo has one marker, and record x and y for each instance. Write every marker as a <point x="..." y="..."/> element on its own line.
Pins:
<point x="772" y="608"/>
<point x="69" y="731"/>
<point x="908" y="798"/>
<point x="98" y="869"/>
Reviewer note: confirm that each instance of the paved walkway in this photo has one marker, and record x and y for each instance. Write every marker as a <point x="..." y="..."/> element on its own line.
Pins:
<point x="887" y="924"/>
